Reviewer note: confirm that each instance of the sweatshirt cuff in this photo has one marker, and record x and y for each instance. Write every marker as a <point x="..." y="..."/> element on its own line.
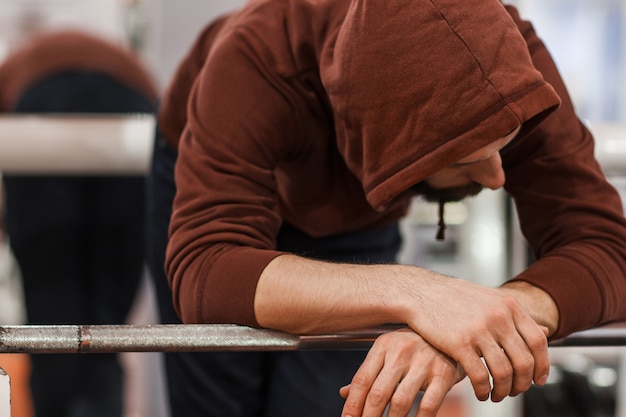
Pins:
<point x="572" y="287"/>
<point x="229" y="296"/>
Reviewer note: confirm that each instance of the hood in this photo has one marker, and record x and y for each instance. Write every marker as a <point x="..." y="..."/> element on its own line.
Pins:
<point x="416" y="85"/>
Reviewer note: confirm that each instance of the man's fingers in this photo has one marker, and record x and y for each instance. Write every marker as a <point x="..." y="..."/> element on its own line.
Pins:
<point x="501" y="370"/>
<point x="404" y="396"/>
<point x="537" y="342"/>
<point x="477" y="373"/>
<point x="432" y="399"/>
<point x="523" y="363"/>
<point x="344" y="391"/>
<point x="380" y="394"/>
<point x="357" y="391"/>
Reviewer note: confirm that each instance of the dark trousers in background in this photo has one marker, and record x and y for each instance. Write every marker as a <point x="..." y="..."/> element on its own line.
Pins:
<point x="79" y="243"/>
<point x="254" y="384"/>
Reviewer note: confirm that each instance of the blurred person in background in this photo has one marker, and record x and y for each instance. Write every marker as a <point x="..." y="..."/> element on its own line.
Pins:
<point x="78" y="239"/>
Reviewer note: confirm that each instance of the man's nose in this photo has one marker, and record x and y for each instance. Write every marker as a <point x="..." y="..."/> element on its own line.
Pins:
<point x="489" y="173"/>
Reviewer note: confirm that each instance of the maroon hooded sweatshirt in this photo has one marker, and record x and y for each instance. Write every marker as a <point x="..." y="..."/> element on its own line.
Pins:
<point x="324" y="113"/>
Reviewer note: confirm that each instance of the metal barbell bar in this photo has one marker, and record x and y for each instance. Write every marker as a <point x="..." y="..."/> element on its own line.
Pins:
<point x="220" y="337"/>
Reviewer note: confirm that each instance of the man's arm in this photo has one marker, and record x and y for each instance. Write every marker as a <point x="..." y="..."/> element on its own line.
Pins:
<point x="464" y="320"/>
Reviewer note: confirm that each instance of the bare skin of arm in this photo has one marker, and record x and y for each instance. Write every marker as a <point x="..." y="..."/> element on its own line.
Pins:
<point x="463" y="320"/>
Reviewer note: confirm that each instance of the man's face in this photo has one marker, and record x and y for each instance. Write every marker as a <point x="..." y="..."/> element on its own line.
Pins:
<point x="468" y="176"/>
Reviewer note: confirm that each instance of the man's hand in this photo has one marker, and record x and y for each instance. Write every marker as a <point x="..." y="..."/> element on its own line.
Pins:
<point x="487" y="331"/>
<point x="399" y="365"/>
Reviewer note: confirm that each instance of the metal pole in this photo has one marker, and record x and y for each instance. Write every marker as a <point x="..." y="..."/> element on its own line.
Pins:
<point x="140" y="338"/>
<point x="217" y="337"/>
<point x="173" y="338"/>
<point x="610" y="335"/>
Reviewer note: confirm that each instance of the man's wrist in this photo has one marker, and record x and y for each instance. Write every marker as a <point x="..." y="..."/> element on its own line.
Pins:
<point x="538" y="303"/>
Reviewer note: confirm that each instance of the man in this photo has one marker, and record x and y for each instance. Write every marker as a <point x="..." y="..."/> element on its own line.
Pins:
<point x="78" y="239"/>
<point x="308" y="127"/>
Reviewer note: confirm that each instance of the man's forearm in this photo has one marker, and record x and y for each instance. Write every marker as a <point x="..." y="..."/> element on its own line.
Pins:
<point x="302" y="296"/>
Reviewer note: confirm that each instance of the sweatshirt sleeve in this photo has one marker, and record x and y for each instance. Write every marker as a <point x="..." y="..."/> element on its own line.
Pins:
<point x="571" y="216"/>
<point x="225" y="217"/>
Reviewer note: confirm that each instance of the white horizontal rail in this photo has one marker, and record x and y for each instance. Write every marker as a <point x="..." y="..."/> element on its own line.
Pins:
<point x="105" y="143"/>
<point x="205" y="338"/>
<point x="76" y="144"/>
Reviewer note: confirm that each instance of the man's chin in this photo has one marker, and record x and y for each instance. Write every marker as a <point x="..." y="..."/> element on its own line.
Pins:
<point x="446" y="195"/>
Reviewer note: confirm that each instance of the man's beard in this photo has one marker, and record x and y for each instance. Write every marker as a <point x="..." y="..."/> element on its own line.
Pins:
<point x="446" y="195"/>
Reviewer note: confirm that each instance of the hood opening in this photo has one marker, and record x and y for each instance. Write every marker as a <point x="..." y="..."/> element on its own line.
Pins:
<point x="417" y="85"/>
